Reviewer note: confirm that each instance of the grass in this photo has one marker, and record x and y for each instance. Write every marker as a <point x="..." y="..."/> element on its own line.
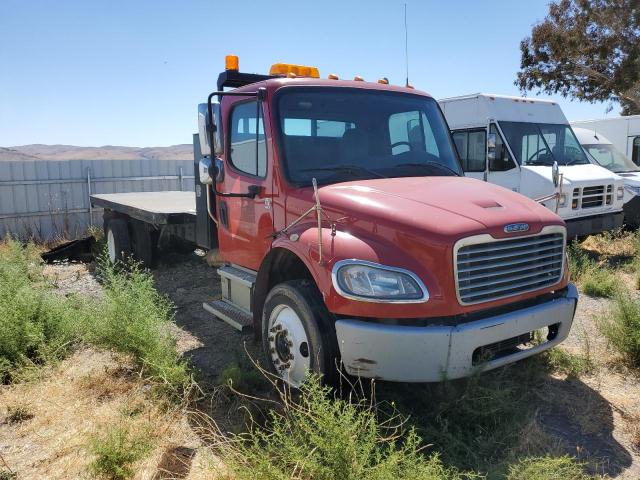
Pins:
<point x="18" y="414"/>
<point x="621" y="327"/>
<point x="548" y="468"/>
<point x="318" y="436"/>
<point x="117" y="450"/>
<point x="596" y="279"/>
<point x="38" y="326"/>
<point x="574" y="365"/>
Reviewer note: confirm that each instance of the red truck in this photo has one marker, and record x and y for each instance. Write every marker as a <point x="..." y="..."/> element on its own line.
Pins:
<point x="350" y="237"/>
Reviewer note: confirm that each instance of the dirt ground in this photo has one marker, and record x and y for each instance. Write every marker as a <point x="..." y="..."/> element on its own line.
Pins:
<point x="595" y="417"/>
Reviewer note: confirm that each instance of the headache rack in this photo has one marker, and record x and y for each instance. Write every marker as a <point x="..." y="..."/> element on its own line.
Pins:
<point x="488" y="269"/>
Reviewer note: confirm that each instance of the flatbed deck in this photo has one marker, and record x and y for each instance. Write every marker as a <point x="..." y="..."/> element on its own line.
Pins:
<point x="157" y="208"/>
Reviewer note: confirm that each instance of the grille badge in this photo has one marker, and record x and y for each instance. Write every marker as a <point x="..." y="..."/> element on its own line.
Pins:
<point x="516" y="227"/>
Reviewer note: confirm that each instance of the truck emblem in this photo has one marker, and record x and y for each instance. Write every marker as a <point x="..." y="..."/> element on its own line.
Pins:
<point x="516" y="227"/>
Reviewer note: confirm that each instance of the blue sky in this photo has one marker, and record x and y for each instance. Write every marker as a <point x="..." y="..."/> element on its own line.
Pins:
<point x="131" y="72"/>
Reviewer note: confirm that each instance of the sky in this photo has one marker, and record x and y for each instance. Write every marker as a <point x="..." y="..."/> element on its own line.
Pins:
<point x="131" y="72"/>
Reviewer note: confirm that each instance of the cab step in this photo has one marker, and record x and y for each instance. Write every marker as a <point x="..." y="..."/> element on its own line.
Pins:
<point x="227" y="312"/>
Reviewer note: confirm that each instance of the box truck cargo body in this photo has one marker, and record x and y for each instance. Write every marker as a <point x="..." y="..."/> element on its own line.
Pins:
<point x="622" y="132"/>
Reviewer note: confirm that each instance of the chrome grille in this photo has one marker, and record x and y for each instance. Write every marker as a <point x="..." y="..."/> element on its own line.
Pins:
<point x="488" y="270"/>
<point x="594" y="196"/>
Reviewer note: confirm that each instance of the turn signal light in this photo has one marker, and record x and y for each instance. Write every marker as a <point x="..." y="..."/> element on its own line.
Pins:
<point x="383" y="81"/>
<point x="358" y="78"/>
<point x="333" y="76"/>
<point x="287" y="69"/>
<point x="231" y="62"/>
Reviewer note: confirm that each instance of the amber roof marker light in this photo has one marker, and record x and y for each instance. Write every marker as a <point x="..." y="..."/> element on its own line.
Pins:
<point x="231" y="62"/>
<point x="291" y="70"/>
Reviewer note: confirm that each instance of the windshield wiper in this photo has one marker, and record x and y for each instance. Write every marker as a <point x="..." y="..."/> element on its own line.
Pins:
<point x="429" y="164"/>
<point x="345" y="169"/>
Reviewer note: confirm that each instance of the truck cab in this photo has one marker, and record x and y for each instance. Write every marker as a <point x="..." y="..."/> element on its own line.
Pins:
<point x="350" y="239"/>
<point x="601" y="151"/>
<point x="514" y="142"/>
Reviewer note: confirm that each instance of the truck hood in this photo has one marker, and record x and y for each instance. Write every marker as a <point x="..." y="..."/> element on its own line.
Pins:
<point x="450" y="206"/>
<point x="578" y="174"/>
<point x="631" y="178"/>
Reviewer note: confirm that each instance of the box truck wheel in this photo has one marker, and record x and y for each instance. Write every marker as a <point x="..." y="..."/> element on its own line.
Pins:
<point x="118" y="240"/>
<point x="298" y="334"/>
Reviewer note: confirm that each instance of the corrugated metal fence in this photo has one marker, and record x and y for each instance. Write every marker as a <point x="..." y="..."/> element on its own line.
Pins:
<point x="43" y="199"/>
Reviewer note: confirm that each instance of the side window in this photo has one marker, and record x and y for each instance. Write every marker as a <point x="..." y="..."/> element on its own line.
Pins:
<point x="411" y="131"/>
<point x="503" y="160"/>
<point x="635" y="153"/>
<point x="243" y="145"/>
<point x="471" y="145"/>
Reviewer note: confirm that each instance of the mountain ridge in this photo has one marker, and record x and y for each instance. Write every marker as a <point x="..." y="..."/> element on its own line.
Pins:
<point x="106" y="152"/>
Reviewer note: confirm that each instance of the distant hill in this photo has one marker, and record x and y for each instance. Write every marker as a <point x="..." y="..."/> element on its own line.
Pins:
<point x="12" y="154"/>
<point x="107" y="152"/>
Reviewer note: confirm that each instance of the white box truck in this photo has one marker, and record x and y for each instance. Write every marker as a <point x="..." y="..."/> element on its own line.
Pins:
<point x="622" y="132"/>
<point x="601" y="151"/>
<point x="514" y="142"/>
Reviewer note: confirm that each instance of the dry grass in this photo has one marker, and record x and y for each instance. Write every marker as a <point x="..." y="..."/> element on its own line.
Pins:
<point x="83" y="397"/>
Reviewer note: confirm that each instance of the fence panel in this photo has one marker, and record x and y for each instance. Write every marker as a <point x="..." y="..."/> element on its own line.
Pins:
<point x="44" y="199"/>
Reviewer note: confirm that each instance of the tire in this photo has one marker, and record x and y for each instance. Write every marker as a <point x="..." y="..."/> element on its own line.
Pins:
<point x="298" y="334"/>
<point x="118" y="240"/>
<point x="144" y="243"/>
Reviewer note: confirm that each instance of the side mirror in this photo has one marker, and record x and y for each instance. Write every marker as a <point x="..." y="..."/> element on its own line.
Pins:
<point x="555" y="174"/>
<point x="205" y="124"/>
<point x="204" y="171"/>
<point x="491" y="146"/>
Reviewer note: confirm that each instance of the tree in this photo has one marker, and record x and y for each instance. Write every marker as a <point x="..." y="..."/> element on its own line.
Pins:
<point x="587" y="50"/>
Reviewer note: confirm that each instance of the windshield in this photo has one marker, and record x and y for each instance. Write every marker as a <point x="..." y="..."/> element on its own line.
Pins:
<point x="543" y="143"/>
<point x="338" y="134"/>
<point x="610" y="158"/>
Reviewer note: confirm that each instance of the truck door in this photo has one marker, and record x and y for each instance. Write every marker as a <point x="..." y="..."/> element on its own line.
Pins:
<point x="245" y="224"/>
<point x="502" y="169"/>
<point x="471" y="145"/>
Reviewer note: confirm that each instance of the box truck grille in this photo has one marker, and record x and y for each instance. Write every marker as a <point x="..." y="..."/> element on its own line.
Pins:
<point x="503" y="268"/>
<point x="595" y="196"/>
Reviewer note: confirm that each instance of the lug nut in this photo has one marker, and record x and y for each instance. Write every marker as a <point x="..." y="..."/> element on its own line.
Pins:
<point x="290" y="343"/>
<point x="272" y="350"/>
<point x="271" y="338"/>
<point x="291" y="356"/>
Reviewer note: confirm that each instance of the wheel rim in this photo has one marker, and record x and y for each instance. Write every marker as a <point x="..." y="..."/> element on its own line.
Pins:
<point x="289" y="347"/>
<point x="111" y="246"/>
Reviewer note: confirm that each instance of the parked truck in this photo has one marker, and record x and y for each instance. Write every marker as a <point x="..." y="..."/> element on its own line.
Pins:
<point x="350" y="237"/>
<point x="601" y="151"/>
<point x="622" y="132"/>
<point x="514" y="142"/>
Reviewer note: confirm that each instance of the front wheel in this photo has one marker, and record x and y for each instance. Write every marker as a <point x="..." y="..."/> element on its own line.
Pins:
<point x="298" y="334"/>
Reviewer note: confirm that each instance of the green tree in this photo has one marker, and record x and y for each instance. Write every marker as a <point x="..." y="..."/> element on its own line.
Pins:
<point x="587" y="50"/>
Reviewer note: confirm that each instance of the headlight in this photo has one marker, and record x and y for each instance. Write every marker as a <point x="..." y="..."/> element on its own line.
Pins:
<point x="372" y="282"/>
<point x="620" y="193"/>
<point x="633" y="190"/>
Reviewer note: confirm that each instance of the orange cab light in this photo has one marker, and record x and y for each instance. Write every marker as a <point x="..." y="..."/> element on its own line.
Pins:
<point x="285" y="69"/>
<point x="333" y="76"/>
<point x="410" y="86"/>
<point x="358" y="78"/>
<point x="291" y="75"/>
<point x="231" y="62"/>
<point x="383" y="81"/>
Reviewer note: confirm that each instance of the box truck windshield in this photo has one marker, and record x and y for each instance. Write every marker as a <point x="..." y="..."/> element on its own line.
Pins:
<point x="337" y="134"/>
<point x="543" y="143"/>
<point x="610" y="158"/>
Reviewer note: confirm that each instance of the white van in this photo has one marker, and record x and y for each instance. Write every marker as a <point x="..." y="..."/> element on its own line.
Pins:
<point x="601" y="151"/>
<point x="514" y="142"/>
<point x="622" y="132"/>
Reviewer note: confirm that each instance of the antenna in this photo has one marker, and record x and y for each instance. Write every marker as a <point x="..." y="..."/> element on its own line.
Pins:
<point x="406" y="45"/>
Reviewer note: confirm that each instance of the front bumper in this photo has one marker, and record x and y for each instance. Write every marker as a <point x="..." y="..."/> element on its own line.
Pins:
<point x="436" y="353"/>
<point x="579" y="227"/>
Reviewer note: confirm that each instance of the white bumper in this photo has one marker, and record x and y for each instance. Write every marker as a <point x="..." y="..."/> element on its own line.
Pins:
<point x="435" y="353"/>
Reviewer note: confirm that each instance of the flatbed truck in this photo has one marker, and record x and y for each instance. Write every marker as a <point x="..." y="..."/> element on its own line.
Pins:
<point x="350" y="239"/>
